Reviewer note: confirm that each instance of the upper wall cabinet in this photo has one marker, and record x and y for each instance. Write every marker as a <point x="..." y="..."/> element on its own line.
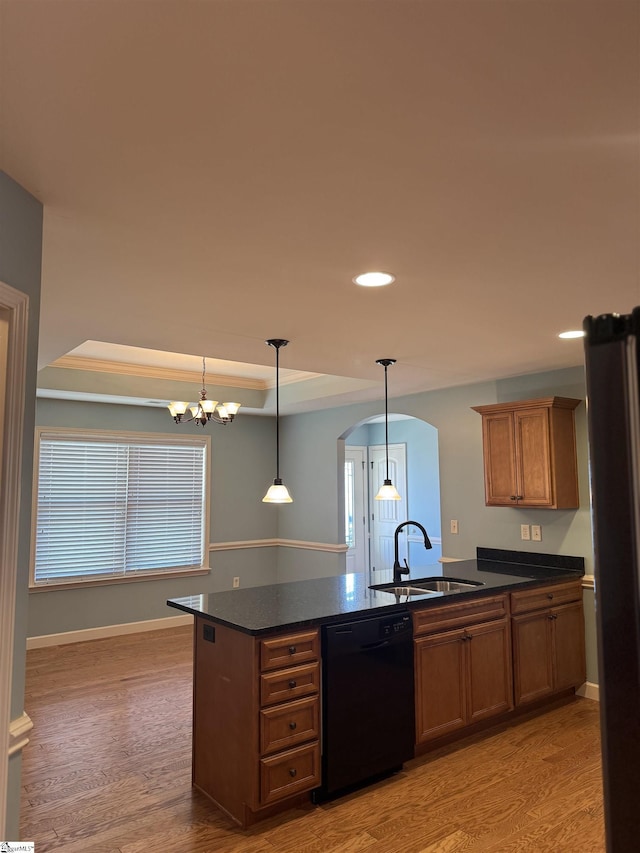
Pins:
<point x="530" y="453"/>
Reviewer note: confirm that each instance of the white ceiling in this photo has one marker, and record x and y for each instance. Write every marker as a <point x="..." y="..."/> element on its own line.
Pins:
<point x="215" y="172"/>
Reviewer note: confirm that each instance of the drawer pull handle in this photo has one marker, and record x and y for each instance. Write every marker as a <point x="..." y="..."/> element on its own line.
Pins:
<point x="293" y="726"/>
<point x="292" y="650"/>
<point x="292" y="771"/>
<point x="293" y="684"/>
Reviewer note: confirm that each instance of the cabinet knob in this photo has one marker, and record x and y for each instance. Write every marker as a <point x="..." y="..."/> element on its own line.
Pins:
<point x="292" y="771"/>
<point x="292" y="726"/>
<point x="550" y="596"/>
<point x="292" y="650"/>
<point x="293" y="684"/>
<point x="513" y="498"/>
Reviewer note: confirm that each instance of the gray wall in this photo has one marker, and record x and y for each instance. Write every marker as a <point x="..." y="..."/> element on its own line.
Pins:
<point x="20" y="264"/>
<point x="242" y="462"/>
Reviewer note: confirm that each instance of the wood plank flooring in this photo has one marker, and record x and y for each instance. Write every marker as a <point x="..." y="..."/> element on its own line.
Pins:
<point x="108" y="770"/>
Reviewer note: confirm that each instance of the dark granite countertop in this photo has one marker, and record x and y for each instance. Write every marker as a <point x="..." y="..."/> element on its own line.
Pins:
<point x="308" y="603"/>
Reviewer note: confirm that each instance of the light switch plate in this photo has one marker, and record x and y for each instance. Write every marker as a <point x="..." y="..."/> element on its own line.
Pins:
<point x="536" y="532"/>
<point x="524" y="531"/>
<point x="454" y="525"/>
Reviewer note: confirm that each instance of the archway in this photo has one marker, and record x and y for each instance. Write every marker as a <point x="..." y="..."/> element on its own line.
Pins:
<point x="369" y="524"/>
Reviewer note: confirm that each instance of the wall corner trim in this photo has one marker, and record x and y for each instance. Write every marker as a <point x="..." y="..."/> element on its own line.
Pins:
<point x="18" y="731"/>
<point x="589" y="690"/>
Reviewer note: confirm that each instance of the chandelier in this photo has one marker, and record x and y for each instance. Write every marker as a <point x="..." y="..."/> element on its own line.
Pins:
<point x="204" y="410"/>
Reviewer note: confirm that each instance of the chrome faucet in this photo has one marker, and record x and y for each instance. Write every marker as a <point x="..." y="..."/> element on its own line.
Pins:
<point x="398" y="571"/>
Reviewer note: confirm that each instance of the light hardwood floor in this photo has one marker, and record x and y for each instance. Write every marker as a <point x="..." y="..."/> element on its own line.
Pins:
<point x="108" y="771"/>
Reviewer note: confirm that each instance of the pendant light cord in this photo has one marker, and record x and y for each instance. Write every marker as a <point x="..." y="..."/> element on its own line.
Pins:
<point x="277" y="349"/>
<point x="386" y="419"/>
<point x="276" y="343"/>
<point x="385" y="362"/>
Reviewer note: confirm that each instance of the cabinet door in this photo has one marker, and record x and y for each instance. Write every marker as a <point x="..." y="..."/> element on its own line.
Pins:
<point x="440" y="685"/>
<point x="533" y="459"/>
<point x="532" y="656"/>
<point x="499" y="459"/>
<point x="568" y="646"/>
<point x="490" y="686"/>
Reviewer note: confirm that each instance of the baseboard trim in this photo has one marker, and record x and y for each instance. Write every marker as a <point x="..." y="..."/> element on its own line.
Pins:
<point x="18" y="730"/>
<point x="105" y="631"/>
<point x="589" y="690"/>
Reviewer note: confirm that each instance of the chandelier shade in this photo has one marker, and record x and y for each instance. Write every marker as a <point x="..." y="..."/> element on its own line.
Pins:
<point x="204" y="410"/>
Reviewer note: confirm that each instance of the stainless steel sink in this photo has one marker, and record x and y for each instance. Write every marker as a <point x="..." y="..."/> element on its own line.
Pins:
<point x="428" y="586"/>
<point x="401" y="590"/>
<point x="445" y="584"/>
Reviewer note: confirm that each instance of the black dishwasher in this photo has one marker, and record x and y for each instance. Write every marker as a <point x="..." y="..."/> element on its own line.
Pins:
<point x="368" y="719"/>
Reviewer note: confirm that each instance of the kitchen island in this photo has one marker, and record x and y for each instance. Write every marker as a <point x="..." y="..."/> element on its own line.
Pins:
<point x="513" y="640"/>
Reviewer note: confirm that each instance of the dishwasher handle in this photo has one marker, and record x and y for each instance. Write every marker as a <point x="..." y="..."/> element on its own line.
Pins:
<point x="369" y="646"/>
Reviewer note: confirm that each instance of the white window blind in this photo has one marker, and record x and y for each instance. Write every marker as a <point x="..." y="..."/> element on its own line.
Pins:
<point x="116" y="505"/>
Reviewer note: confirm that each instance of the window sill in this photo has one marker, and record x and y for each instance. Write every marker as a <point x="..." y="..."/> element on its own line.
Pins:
<point x="149" y="576"/>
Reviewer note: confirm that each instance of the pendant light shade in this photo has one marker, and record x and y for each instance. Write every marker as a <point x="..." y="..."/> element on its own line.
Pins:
<point x="387" y="491"/>
<point x="277" y="493"/>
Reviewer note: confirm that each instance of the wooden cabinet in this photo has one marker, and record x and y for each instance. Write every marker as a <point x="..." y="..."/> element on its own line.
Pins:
<point x="548" y="641"/>
<point x="290" y="669"/>
<point x="530" y="453"/>
<point x="463" y="670"/>
<point x="256" y="719"/>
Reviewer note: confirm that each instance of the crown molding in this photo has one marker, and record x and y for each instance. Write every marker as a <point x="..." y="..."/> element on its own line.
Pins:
<point x="123" y="368"/>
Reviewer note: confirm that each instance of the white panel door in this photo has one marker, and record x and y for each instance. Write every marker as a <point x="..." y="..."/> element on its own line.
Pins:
<point x="355" y="509"/>
<point x="387" y="515"/>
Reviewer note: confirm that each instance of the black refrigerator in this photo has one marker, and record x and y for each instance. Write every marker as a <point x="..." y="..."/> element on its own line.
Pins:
<point x="612" y="361"/>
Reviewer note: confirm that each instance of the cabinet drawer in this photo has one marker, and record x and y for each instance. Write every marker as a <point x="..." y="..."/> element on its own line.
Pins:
<point x="285" y="726"/>
<point x="548" y="596"/>
<point x="460" y="613"/>
<point x="289" y="773"/>
<point x="289" y="650"/>
<point x="292" y="683"/>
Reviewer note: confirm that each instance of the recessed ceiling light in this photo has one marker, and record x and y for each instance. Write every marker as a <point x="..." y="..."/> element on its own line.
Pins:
<point x="572" y="334"/>
<point x="374" y="279"/>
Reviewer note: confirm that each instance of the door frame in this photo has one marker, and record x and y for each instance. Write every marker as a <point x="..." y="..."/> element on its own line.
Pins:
<point x="16" y="304"/>
<point x="362" y="537"/>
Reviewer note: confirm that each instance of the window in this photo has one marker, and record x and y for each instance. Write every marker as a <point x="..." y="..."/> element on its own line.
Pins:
<point x="113" y="505"/>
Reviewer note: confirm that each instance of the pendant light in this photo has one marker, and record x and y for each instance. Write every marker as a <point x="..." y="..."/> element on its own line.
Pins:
<point x="388" y="491"/>
<point x="277" y="493"/>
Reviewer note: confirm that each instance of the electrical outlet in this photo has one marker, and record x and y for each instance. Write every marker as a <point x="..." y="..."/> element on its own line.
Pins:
<point x="236" y="582"/>
<point x="454" y="525"/>
<point x="525" y="532"/>
<point x="536" y="532"/>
